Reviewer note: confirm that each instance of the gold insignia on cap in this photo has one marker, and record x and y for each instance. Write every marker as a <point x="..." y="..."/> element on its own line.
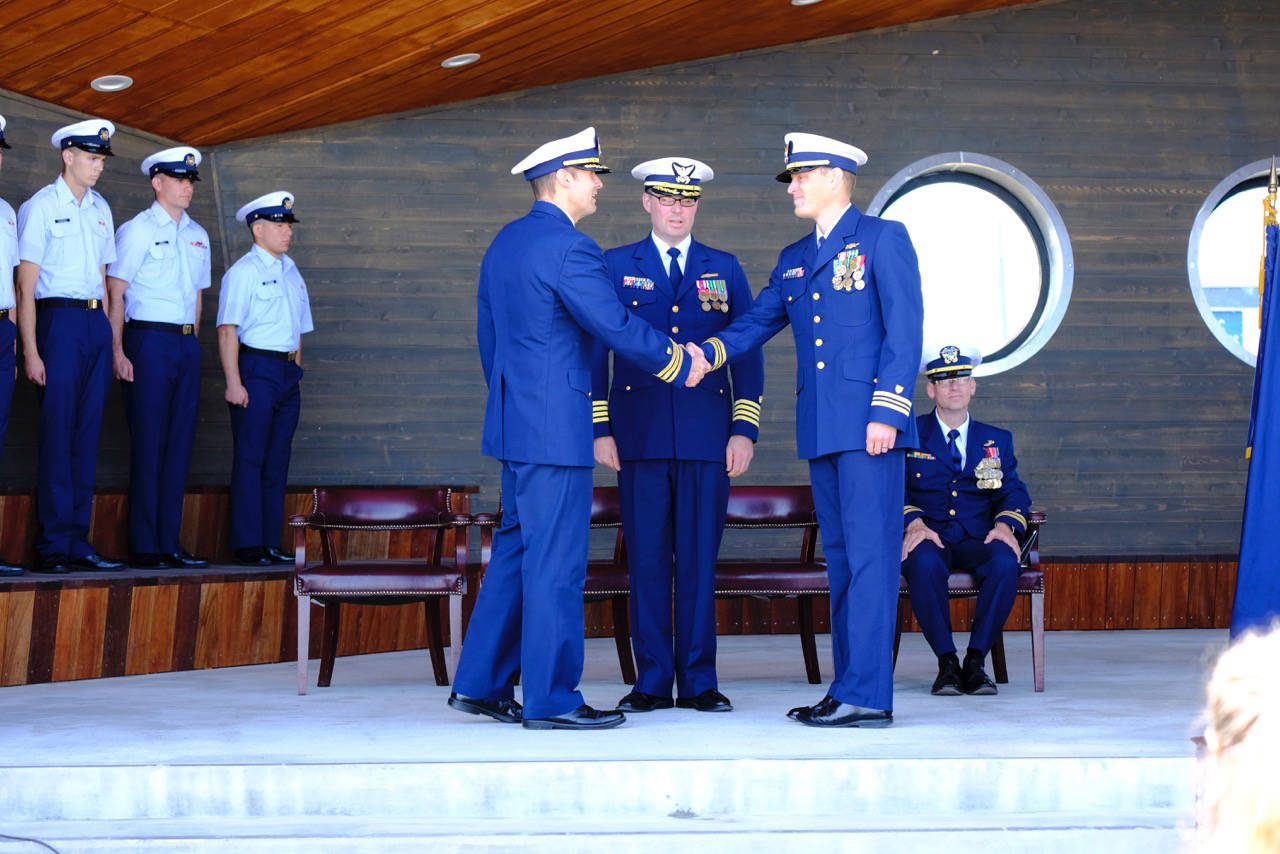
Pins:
<point x="104" y="135"/>
<point x="684" y="174"/>
<point x="288" y="203"/>
<point x="190" y="160"/>
<point x="950" y="355"/>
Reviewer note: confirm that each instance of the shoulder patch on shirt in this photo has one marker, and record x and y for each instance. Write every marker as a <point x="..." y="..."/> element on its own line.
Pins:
<point x="637" y="282"/>
<point x="793" y="273"/>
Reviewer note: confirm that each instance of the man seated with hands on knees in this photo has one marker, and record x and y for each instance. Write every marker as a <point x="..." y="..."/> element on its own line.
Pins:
<point x="965" y="508"/>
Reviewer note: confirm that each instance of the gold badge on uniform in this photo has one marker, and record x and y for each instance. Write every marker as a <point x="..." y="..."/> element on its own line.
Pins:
<point x="988" y="471"/>
<point x="713" y="293"/>
<point x="848" y="270"/>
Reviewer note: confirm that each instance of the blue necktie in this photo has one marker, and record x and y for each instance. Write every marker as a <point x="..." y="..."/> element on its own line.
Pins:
<point x="819" y="241"/>
<point x="956" y="461"/>
<point x="673" y="272"/>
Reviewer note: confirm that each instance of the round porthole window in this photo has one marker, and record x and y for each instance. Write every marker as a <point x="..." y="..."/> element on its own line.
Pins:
<point x="1223" y="258"/>
<point x="995" y="260"/>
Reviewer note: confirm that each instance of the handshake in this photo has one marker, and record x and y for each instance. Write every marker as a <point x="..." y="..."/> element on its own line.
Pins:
<point x="699" y="367"/>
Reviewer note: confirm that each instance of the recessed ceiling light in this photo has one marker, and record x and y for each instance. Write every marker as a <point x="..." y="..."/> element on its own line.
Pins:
<point x="460" y="60"/>
<point x="804" y="2"/>
<point x="112" y="83"/>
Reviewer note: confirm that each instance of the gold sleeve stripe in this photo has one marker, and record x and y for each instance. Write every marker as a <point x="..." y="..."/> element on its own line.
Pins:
<point x="600" y="419"/>
<point x="911" y="508"/>
<point x="742" y="413"/>
<point x="905" y="409"/>
<point x="746" y="403"/>
<point x="890" y="395"/>
<point x="599" y="411"/>
<point x="672" y="370"/>
<point x="1013" y="514"/>
<point x="722" y="355"/>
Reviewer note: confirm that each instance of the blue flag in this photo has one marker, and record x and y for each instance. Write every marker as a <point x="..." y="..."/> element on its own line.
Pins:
<point x="1257" y="600"/>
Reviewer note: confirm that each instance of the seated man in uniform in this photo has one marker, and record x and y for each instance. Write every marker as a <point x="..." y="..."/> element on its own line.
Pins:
<point x="965" y="508"/>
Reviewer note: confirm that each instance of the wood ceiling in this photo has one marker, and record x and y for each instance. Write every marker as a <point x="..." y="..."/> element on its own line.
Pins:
<point x="222" y="70"/>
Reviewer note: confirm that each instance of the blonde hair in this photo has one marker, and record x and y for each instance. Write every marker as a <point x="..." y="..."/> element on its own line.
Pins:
<point x="1240" y="806"/>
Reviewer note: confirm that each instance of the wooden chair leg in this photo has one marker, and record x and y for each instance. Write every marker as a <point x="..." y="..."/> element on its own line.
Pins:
<point x="455" y="630"/>
<point x="1037" y="639"/>
<point x="329" y="642"/>
<point x="435" y="640"/>
<point x="622" y="639"/>
<point x="903" y="604"/>
<point x="808" y="646"/>
<point x="304" y="640"/>
<point x="997" y="659"/>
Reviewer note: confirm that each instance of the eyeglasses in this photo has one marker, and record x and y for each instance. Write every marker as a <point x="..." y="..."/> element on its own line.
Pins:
<point x="668" y="201"/>
<point x="949" y="381"/>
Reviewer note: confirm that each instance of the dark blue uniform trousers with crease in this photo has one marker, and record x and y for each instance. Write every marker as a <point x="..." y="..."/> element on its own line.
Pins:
<point x="263" y="436"/>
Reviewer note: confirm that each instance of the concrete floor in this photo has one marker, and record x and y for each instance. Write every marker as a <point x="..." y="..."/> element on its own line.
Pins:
<point x="1108" y="694"/>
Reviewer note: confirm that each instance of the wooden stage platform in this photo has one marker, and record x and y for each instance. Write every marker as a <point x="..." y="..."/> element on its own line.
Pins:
<point x="88" y="625"/>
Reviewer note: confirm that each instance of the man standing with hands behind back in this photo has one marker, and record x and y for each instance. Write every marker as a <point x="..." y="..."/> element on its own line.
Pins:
<point x="542" y="300"/>
<point x="8" y="317"/>
<point x="850" y="290"/>
<point x="162" y="263"/>
<point x="675" y="449"/>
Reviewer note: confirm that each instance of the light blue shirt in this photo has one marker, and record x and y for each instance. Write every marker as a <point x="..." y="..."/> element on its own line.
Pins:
<point x="682" y="246"/>
<point x="69" y="240"/>
<point x="166" y="264"/>
<point x="266" y="299"/>
<point x="8" y="253"/>
<point x="962" y="441"/>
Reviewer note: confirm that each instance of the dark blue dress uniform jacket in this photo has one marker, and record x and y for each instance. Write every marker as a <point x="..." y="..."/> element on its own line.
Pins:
<point x="857" y="351"/>
<point x="653" y="420"/>
<point x="542" y="302"/>
<point x="950" y="502"/>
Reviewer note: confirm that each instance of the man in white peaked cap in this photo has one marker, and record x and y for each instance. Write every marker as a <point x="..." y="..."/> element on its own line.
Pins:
<point x="66" y="239"/>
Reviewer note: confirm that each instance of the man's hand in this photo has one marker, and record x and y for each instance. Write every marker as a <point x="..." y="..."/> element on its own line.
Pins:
<point x="699" y="366"/>
<point x="880" y="437"/>
<point x="123" y="367"/>
<point x="237" y="395"/>
<point x="35" y="368"/>
<point x="738" y="454"/>
<point x="607" y="453"/>
<point x="1004" y="534"/>
<point x="917" y="533"/>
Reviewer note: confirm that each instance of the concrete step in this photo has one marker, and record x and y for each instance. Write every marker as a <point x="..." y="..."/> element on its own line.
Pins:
<point x="988" y="834"/>
<point x="622" y="790"/>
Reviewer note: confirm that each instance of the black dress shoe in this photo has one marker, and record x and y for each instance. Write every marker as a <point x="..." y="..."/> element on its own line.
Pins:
<point x="639" y="701"/>
<point x="948" y="682"/>
<point x="709" y="700"/>
<point x="186" y="560"/>
<point x="148" y="560"/>
<point x="506" y="711"/>
<point x="98" y="563"/>
<point x="277" y="556"/>
<point x="253" y="556"/>
<point x="8" y="570"/>
<point x="794" y="714"/>
<point x="53" y="564"/>
<point x="833" y="713"/>
<point x="583" y="717"/>
<point x="974" y="680"/>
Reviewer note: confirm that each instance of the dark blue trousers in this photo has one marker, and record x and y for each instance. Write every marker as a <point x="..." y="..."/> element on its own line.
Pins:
<point x="8" y="364"/>
<point x="160" y="406"/>
<point x="993" y="564"/>
<point x="859" y="502"/>
<point x="262" y="433"/>
<point x="673" y="518"/>
<point x="75" y="344"/>
<point x="529" y="616"/>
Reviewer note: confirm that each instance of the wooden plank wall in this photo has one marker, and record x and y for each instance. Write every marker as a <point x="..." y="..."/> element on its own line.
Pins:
<point x="1127" y="112"/>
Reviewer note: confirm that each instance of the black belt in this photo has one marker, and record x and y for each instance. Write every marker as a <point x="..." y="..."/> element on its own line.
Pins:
<point x="4" y="312"/>
<point x="291" y="356"/>
<point x="64" y="302"/>
<point x="180" y="328"/>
